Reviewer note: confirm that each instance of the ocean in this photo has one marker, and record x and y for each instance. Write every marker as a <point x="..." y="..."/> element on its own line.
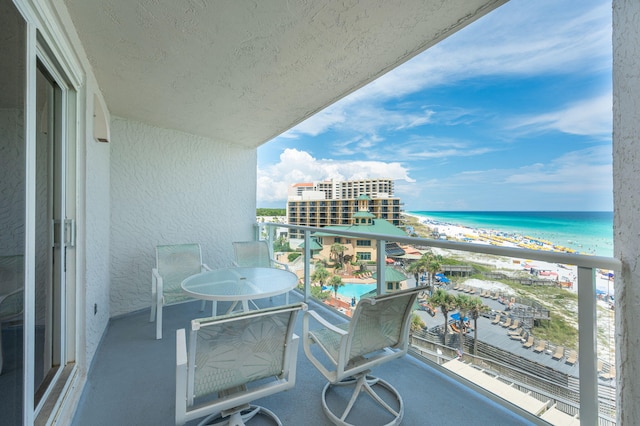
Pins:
<point x="585" y="232"/>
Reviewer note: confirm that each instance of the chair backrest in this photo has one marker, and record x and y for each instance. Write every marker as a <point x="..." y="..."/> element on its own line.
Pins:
<point x="252" y="254"/>
<point x="381" y="322"/>
<point x="175" y="263"/>
<point x="233" y="350"/>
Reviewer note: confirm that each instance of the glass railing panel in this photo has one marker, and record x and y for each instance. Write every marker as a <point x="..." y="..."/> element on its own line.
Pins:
<point x="531" y="329"/>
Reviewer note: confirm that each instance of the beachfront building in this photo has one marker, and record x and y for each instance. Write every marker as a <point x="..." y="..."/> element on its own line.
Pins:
<point x="362" y="221"/>
<point x="394" y="280"/>
<point x="334" y="202"/>
<point x="140" y="106"/>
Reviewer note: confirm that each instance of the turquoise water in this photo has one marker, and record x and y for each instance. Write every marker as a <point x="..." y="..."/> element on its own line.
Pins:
<point x="355" y="290"/>
<point x="585" y="232"/>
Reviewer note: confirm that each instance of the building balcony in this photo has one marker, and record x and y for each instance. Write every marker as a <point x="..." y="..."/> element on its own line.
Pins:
<point x="512" y="385"/>
<point x="577" y="383"/>
<point x="130" y="354"/>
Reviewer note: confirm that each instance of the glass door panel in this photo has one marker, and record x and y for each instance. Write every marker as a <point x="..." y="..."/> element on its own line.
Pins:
<point x="12" y="211"/>
<point x="48" y="266"/>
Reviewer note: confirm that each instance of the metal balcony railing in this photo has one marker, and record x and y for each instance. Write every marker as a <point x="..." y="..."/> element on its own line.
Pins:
<point x="587" y="267"/>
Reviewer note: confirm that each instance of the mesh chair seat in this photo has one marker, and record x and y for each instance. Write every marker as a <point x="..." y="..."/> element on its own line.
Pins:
<point x="174" y="263"/>
<point x="233" y="360"/>
<point x="377" y="333"/>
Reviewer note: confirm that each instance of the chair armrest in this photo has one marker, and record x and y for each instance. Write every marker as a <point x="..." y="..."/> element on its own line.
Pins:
<point x="323" y="322"/>
<point x="284" y="265"/>
<point x="308" y="340"/>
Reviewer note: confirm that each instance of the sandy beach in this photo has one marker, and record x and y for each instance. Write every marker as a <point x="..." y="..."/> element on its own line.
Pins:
<point x="556" y="272"/>
<point x="543" y="270"/>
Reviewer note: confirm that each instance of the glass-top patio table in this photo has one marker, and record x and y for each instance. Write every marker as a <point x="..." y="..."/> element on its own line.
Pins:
<point x="239" y="285"/>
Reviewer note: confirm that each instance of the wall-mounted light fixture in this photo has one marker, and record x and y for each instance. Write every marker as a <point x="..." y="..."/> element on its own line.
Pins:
<point x="101" y="130"/>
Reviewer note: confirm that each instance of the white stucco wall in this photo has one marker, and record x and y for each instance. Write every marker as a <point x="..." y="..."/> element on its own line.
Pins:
<point x="626" y="181"/>
<point x="170" y="187"/>
<point x="95" y="222"/>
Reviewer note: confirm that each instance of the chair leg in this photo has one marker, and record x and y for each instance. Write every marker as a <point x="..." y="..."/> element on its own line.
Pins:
<point x="154" y="297"/>
<point x="364" y="383"/>
<point x="153" y="308"/>
<point x="238" y="417"/>
<point x="159" y="323"/>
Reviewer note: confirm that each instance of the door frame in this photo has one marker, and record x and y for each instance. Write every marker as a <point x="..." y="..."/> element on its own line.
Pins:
<point x="47" y="43"/>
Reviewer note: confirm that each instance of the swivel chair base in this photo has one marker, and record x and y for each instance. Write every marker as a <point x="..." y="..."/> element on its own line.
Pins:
<point x="364" y="383"/>
<point x="238" y="416"/>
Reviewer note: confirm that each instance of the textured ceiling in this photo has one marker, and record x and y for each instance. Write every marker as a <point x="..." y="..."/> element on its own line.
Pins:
<point x="245" y="71"/>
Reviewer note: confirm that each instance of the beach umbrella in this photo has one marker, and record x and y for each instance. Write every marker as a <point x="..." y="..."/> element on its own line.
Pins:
<point x="456" y="316"/>
<point x="441" y="277"/>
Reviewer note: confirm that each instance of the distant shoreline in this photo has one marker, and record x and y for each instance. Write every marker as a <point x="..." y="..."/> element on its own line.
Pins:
<point x="584" y="232"/>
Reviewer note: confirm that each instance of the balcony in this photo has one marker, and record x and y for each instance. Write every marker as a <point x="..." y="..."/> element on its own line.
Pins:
<point x="431" y="381"/>
<point x="130" y="354"/>
<point x="570" y="389"/>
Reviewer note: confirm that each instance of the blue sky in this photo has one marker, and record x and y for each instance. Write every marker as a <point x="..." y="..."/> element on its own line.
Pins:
<point x="513" y="112"/>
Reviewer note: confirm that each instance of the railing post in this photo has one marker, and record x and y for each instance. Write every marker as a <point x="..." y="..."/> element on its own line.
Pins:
<point x="588" y="351"/>
<point x="380" y="265"/>
<point x="307" y="268"/>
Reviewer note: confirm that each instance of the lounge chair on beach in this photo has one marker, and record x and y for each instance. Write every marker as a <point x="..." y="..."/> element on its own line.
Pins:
<point x="600" y="365"/>
<point x="494" y="296"/>
<point x="515" y="325"/>
<point x="517" y="332"/>
<point x="496" y="320"/>
<point x="540" y="346"/>
<point x="528" y="343"/>
<point x="572" y="358"/>
<point x="506" y="323"/>
<point x="609" y="375"/>
<point x="517" y="335"/>
<point x="559" y="353"/>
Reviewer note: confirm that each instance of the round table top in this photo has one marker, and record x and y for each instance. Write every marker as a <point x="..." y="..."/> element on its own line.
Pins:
<point x="232" y="284"/>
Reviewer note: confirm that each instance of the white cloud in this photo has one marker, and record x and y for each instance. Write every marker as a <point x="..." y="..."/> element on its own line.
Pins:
<point x="299" y="166"/>
<point x="577" y="180"/>
<point x="519" y="38"/>
<point x="587" y="117"/>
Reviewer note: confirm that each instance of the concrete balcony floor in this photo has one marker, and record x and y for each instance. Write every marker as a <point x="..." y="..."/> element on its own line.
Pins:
<point x="132" y="381"/>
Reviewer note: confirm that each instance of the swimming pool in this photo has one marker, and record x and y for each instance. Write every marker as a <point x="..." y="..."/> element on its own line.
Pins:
<point x="355" y="290"/>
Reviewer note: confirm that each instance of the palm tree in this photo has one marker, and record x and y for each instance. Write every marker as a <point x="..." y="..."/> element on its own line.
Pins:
<point x="463" y="303"/>
<point x="414" y="268"/>
<point x="446" y="302"/>
<point x="336" y="283"/>
<point x="476" y="307"/>
<point x="416" y="323"/>
<point x="337" y="252"/>
<point x="320" y="275"/>
<point x="434" y="265"/>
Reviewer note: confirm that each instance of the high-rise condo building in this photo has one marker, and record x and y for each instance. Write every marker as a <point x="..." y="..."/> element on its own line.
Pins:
<point x="331" y="203"/>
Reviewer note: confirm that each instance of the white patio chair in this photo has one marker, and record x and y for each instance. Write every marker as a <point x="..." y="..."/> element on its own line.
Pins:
<point x="256" y="254"/>
<point x="233" y="360"/>
<point x="378" y="332"/>
<point x="174" y="263"/>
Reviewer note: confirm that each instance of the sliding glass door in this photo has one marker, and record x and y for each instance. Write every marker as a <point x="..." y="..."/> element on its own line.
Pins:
<point x="13" y="178"/>
<point x="37" y="207"/>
